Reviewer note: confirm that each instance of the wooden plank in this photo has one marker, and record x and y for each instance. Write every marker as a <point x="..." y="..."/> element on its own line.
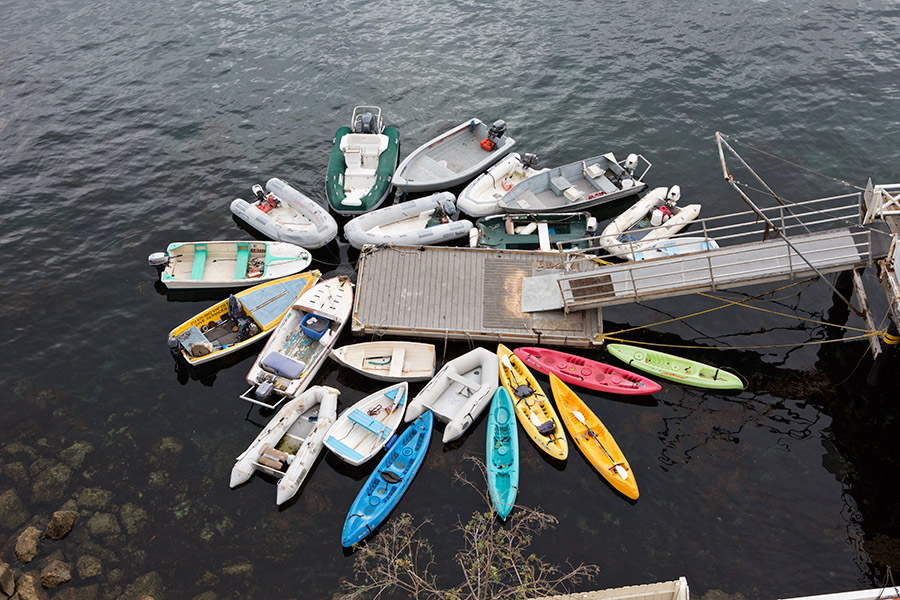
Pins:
<point x="863" y="300"/>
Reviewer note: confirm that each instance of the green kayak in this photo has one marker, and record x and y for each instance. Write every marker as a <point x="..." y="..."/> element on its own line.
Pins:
<point x="363" y="159"/>
<point x="675" y="368"/>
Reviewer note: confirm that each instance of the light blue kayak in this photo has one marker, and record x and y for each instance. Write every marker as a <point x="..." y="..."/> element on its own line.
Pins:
<point x="502" y="453"/>
<point x="385" y="487"/>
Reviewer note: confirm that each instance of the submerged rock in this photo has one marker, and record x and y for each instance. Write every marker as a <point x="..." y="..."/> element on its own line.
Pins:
<point x="93" y="498"/>
<point x="28" y="544"/>
<point x="28" y="588"/>
<point x="75" y="454"/>
<point x="165" y="451"/>
<point x="210" y="595"/>
<point x="55" y="574"/>
<point x="50" y="484"/>
<point x="12" y="511"/>
<point x="103" y="524"/>
<point x="88" y="566"/>
<point x="134" y="518"/>
<point x="61" y="524"/>
<point x="149" y="584"/>
<point x="244" y="568"/>
<point x="15" y="471"/>
<point x="91" y="592"/>
<point x="7" y="579"/>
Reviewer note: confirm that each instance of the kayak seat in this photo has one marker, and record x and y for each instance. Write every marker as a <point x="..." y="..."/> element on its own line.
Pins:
<point x="364" y="420"/>
<point x="282" y="366"/>
<point x="199" y="261"/>
<point x="339" y="447"/>
<point x="243" y="259"/>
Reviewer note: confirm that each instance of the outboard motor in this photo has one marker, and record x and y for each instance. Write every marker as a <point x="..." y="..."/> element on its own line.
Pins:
<point x="258" y="191"/>
<point x="590" y="229"/>
<point x="529" y="160"/>
<point x="631" y="163"/>
<point x="497" y="129"/>
<point x="366" y="123"/>
<point x="160" y="260"/>
<point x="673" y="196"/>
<point x="263" y="391"/>
<point x="174" y="346"/>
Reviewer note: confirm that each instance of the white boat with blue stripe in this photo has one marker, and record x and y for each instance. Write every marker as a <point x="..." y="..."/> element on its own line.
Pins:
<point x="363" y="429"/>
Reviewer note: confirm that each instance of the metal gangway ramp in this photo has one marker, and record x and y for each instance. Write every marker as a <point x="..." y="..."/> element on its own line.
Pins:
<point x="825" y="236"/>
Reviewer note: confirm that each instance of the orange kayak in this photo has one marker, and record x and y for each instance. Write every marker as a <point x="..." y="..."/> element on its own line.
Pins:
<point x="593" y="439"/>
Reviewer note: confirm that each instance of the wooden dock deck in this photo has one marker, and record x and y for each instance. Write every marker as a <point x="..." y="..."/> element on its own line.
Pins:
<point x="461" y="294"/>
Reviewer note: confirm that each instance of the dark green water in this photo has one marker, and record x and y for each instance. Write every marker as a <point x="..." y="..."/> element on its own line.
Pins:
<point x="126" y="127"/>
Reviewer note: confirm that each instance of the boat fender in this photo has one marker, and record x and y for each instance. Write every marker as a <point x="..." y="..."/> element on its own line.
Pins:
<point x="527" y="229"/>
<point x="391" y="442"/>
<point x="473" y="237"/>
<point x="488" y="145"/>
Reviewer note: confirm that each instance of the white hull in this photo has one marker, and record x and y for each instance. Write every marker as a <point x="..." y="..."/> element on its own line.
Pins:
<point x="388" y="360"/>
<point x="364" y="428"/>
<point x="480" y="197"/>
<point x="292" y="357"/>
<point x="622" y="238"/>
<point x="300" y="428"/>
<point x="215" y="264"/>
<point x="459" y="392"/>
<point x="676" y="246"/>
<point x="406" y="223"/>
<point x="298" y="220"/>
<point x="449" y="159"/>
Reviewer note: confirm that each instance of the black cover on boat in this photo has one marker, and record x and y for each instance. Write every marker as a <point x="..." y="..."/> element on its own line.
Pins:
<point x="546" y="428"/>
<point x="390" y="477"/>
<point x="523" y="391"/>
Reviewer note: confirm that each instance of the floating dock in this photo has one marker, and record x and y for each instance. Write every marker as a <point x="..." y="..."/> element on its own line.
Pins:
<point x="462" y="294"/>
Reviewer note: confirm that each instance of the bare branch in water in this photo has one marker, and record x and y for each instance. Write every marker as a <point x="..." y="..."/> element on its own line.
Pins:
<point x="494" y="560"/>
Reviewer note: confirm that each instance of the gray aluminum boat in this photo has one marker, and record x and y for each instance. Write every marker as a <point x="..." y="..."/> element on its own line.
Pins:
<point x="576" y="186"/>
<point x="453" y="157"/>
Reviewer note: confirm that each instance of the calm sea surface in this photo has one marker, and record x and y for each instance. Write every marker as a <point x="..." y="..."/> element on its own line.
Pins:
<point x="125" y="126"/>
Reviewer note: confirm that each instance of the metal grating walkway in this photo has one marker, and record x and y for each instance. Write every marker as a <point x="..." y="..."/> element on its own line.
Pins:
<point x="461" y="294"/>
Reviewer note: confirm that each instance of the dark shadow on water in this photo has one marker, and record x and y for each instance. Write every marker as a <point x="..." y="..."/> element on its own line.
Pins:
<point x="206" y="373"/>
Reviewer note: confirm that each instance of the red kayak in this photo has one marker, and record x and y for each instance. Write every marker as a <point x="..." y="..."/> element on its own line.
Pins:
<point x="586" y="373"/>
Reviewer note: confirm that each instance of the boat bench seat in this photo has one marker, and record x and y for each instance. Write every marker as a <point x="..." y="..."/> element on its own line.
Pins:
<point x="199" y="262"/>
<point x="397" y="357"/>
<point x="191" y="336"/>
<point x="452" y="376"/>
<point x="603" y="184"/>
<point x="283" y="366"/>
<point x="559" y="184"/>
<point x="243" y="260"/>
<point x="433" y="167"/>
<point x="339" y="447"/>
<point x="364" y="420"/>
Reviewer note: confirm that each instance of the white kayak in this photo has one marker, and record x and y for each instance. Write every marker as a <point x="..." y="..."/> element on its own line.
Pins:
<point x="459" y="392"/>
<point x="453" y="157"/>
<point x="288" y="446"/>
<point x="285" y="214"/>
<point x="637" y="229"/>
<point x="227" y="264"/>
<point x="300" y="343"/>
<point x="480" y="197"/>
<point x="388" y="360"/>
<point x="364" y="428"/>
<point x="420" y="222"/>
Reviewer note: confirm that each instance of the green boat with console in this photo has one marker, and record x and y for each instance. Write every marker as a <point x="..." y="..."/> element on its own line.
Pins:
<point x="363" y="159"/>
<point x="675" y="368"/>
<point x="530" y="231"/>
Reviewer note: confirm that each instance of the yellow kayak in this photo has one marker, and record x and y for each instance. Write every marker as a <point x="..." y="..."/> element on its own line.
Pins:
<point x="532" y="406"/>
<point x="239" y="320"/>
<point x="593" y="439"/>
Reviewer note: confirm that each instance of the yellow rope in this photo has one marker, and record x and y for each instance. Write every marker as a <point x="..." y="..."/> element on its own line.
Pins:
<point x="603" y="338"/>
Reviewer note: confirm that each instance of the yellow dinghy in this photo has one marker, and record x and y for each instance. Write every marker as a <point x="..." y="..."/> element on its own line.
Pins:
<point x="593" y="439"/>
<point x="239" y="320"/>
<point x="533" y="408"/>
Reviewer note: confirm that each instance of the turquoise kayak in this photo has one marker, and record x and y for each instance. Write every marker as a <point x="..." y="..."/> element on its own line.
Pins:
<point x="502" y="454"/>
<point x="386" y="486"/>
<point x="675" y="368"/>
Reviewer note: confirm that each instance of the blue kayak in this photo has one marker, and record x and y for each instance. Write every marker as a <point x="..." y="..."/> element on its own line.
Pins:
<point x="502" y="453"/>
<point x="388" y="483"/>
